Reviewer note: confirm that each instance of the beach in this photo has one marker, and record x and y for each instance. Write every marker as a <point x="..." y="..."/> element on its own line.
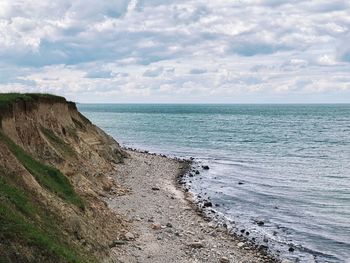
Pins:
<point x="166" y="225"/>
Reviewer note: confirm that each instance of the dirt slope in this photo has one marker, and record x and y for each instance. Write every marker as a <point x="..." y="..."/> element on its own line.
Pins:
<point x="55" y="167"/>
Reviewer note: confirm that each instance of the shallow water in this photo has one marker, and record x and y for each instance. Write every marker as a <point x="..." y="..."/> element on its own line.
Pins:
<point x="292" y="162"/>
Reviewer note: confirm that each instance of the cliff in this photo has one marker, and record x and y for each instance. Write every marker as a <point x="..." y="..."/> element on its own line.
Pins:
<point x="55" y="167"/>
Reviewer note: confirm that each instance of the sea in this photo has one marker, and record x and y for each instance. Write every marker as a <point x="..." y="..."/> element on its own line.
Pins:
<point x="285" y="165"/>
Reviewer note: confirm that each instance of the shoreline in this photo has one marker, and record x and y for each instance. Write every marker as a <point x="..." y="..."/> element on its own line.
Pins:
<point x="168" y="225"/>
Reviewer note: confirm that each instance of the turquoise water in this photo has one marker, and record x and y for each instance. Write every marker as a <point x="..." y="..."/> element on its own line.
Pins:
<point x="293" y="161"/>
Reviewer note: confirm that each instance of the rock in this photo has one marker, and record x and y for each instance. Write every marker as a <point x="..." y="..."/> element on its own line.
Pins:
<point x="129" y="236"/>
<point x="291" y="249"/>
<point x="196" y="244"/>
<point x="196" y="172"/>
<point x="207" y="204"/>
<point x="263" y="247"/>
<point x="169" y="230"/>
<point x="117" y="243"/>
<point x="260" y="223"/>
<point x="169" y="225"/>
<point x="240" y="244"/>
<point x="240" y="183"/>
<point x="286" y="261"/>
<point x="136" y="218"/>
<point x="224" y="260"/>
<point x="156" y="226"/>
<point x="205" y="167"/>
<point x="155" y="188"/>
<point x="211" y="224"/>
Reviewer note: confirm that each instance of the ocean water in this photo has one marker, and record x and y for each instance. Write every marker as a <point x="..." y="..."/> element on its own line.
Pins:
<point x="287" y="165"/>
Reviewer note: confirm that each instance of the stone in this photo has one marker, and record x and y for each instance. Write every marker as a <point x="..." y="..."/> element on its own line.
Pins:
<point x="129" y="236"/>
<point x="205" y="167"/>
<point x="263" y="247"/>
<point x="196" y="172"/>
<point x="169" y="225"/>
<point x="286" y="261"/>
<point x="211" y="224"/>
<point x="196" y="244"/>
<point x="260" y="223"/>
<point x="155" y="188"/>
<point x="291" y="249"/>
<point x="240" y="244"/>
<point x="224" y="260"/>
<point x="207" y="204"/>
<point x="117" y="243"/>
<point x="156" y="226"/>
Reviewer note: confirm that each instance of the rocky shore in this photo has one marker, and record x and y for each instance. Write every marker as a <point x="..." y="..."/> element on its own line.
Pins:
<point x="167" y="226"/>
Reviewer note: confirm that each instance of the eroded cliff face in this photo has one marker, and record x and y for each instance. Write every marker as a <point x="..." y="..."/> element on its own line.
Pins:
<point x="59" y="163"/>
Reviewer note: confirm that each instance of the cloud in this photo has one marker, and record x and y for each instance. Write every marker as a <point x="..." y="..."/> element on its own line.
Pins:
<point x="195" y="71"/>
<point x="160" y="49"/>
<point x="103" y="74"/>
<point x="152" y="73"/>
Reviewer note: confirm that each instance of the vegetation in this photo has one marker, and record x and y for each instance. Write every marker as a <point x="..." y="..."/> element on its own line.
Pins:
<point x="23" y="221"/>
<point x="47" y="176"/>
<point x="64" y="148"/>
<point x="8" y="98"/>
<point x="29" y="230"/>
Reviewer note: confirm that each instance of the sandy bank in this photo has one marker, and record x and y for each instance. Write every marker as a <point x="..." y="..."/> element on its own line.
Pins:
<point x="165" y="226"/>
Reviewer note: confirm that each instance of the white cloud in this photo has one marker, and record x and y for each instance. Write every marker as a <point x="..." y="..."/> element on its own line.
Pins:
<point x="160" y="50"/>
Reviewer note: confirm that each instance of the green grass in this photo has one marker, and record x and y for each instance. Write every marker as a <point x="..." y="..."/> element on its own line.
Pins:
<point x="64" y="148"/>
<point x="8" y="98"/>
<point x="47" y="176"/>
<point x="24" y="221"/>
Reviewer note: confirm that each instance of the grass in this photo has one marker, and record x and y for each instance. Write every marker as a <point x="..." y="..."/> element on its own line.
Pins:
<point x="29" y="231"/>
<point x="8" y="98"/>
<point x="47" y="176"/>
<point x="24" y="221"/>
<point x="64" y="148"/>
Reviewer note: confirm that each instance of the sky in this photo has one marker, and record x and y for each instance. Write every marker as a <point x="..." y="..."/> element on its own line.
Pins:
<point x="180" y="51"/>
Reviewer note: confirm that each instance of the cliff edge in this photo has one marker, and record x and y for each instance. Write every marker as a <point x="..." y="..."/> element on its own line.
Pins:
<point x="55" y="167"/>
